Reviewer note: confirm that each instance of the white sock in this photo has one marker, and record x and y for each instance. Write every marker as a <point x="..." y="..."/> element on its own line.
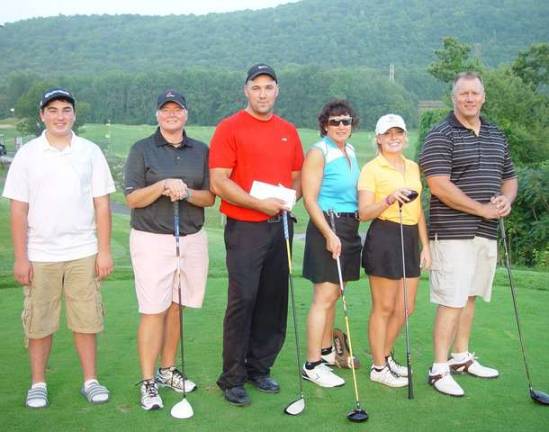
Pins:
<point x="89" y="382"/>
<point x="96" y="398"/>
<point x="459" y="357"/>
<point x="37" y="403"/>
<point x="379" y="368"/>
<point x="439" y="368"/>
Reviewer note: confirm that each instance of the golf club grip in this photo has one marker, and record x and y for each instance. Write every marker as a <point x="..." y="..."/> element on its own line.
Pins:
<point x="175" y="206"/>
<point x="285" y="224"/>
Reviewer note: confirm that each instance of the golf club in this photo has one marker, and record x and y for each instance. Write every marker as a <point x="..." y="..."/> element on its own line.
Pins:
<point x="297" y="406"/>
<point x="536" y="395"/>
<point x="357" y="415"/>
<point x="412" y="195"/>
<point x="182" y="409"/>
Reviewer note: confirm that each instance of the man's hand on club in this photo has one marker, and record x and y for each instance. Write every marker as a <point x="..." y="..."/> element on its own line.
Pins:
<point x="502" y="204"/>
<point x="272" y="206"/>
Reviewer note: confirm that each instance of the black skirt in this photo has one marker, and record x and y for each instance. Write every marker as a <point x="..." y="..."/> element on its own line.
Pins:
<point x="318" y="264"/>
<point x="382" y="252"/>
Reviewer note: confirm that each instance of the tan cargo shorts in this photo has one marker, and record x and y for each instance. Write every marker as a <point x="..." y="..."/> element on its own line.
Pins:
<point x="75" y="281"/>
<point x="462" y="269"/>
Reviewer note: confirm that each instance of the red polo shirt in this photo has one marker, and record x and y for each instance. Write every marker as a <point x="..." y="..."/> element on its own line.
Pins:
<point x="264" y="150"/>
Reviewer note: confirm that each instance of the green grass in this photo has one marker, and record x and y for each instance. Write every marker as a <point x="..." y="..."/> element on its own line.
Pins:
<point x="489" y="405"/>
<point x="501" y="404"/>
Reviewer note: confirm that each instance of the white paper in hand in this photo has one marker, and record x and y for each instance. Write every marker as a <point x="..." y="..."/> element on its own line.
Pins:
<point x="261" y="190"/>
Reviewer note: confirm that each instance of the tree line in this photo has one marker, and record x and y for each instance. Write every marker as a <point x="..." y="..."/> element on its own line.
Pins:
<point x="212" y="94"/>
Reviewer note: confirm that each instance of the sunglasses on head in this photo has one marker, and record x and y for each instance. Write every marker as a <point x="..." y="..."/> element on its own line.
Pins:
<point x="348" y="121"/>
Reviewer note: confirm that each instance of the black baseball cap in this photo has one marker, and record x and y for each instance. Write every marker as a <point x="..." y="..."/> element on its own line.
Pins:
<point x="260" y="69"/>
<point x="55" y="94"/>
<point x="171" y="96"/>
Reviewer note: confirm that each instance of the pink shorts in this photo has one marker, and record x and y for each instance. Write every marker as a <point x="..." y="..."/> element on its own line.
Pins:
<point x="154" y="264"/>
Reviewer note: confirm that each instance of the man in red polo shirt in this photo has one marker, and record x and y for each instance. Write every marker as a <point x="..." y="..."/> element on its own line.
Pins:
<point x="254" y="144"/>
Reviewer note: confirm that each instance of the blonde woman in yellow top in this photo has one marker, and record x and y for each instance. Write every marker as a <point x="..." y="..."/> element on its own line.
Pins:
<point x="383" y="183"/>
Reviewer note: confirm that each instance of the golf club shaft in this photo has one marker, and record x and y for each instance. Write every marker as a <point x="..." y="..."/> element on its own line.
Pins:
<point x="345" y="314"/>
<point x="514" y="296"/>
<point x="178" y="275"/>
<point x="292" y="298"/>
<point x="405" y="291"/>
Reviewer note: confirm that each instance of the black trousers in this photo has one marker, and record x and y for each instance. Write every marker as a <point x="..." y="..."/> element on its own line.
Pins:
<point x="255" y="320"/>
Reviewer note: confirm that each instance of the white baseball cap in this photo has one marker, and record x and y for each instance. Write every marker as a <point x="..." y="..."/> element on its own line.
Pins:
<point x="389" y="121"/>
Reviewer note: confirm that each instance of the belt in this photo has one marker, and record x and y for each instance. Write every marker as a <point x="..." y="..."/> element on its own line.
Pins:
<point x="278" y="217"/>
<point x="353" y="215"/>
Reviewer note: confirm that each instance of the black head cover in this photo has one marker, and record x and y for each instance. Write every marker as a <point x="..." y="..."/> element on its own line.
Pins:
<point x="357" y="415"/>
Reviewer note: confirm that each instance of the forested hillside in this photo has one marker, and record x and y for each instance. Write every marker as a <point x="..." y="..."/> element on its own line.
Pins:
<point x="327" y="33"/>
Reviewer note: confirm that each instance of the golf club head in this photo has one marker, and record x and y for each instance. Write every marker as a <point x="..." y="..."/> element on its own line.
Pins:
<point x="358" y="415"/>
<point x="412" y="195"/>
<point x="296" y="407"/>
<point x="539" y="397"/>
<point x="182" y="409"/>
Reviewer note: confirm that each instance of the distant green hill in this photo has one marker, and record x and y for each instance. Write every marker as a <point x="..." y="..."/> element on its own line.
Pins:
<point x="326" y="33"/>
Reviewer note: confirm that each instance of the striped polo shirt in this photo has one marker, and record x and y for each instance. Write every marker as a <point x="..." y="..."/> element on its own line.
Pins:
<point x="476" y="164"/>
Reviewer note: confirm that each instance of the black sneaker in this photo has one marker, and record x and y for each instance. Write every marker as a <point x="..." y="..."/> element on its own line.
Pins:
<point x="264" y="383"/>
<point x="237" y="396"/>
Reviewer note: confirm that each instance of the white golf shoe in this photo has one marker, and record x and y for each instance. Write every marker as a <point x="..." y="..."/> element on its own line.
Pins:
<point x="172" y="378"/>
<point x="329" y="359"/>
<point x="471" y="366"/>
<point x="150" y="399"/>
<point x="388" y="377"/>
<point x="323" y="376"/>
<point x="444" y="383"/>
<point x="396" y="367"/>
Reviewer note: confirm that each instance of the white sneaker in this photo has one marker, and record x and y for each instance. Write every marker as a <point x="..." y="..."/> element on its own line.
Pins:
<point x="173" y="379"/>
<point x="329" y="359"/>
<point x="397" y="368"/>
<point x="388" y="377"/>
<point x="471" y="366"/>
<point x="322" y="375"/>
<point x="444" y="383"/>
<point x="150" y="399"/>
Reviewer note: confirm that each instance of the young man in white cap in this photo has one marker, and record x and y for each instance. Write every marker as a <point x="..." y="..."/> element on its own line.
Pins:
<point x="59" y="186"/>
<point x="472" y="180"/>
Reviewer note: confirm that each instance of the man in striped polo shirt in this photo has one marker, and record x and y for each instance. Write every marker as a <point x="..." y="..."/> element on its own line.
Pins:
<point x="469" y="171"/>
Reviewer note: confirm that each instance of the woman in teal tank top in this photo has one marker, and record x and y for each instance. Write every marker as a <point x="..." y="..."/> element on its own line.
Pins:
<point x="329" y="183"/>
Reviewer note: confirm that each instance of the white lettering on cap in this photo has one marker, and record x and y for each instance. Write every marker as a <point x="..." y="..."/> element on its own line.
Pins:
<point x="170" y="94"/>
<point x="56" y="92"/>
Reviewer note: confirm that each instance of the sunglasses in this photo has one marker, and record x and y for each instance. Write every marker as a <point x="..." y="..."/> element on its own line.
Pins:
<point x="344" y="121"/>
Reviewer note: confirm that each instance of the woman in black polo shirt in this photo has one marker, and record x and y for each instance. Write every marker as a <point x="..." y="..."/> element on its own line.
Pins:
<point x="164" y="168"/>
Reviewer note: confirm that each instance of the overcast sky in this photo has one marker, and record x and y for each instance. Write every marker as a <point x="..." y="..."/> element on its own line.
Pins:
<point x="11" y="11"/>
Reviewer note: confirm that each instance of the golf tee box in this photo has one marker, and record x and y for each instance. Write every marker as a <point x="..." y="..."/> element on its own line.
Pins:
<point x="262" y="190"/>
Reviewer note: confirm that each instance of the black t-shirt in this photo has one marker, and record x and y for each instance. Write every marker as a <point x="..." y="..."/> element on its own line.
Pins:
<point x="153" y="159"/>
